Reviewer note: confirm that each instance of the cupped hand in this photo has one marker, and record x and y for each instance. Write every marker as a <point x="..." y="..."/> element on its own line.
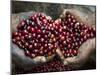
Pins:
<point x="18" y="56"/>
<point x="85" y="50"/>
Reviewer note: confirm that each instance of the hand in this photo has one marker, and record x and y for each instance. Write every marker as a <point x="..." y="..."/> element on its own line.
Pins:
<point x="85" y="49"/>
<point x="18" y="56"/>
<point x="85" y="52"/>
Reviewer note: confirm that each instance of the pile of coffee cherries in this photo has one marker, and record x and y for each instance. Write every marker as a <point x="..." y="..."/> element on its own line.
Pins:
<point x="51" y="66"/>
<point x="73" y="34"/>
<point x="41" y="36"/>
<point x="35" y="35"/>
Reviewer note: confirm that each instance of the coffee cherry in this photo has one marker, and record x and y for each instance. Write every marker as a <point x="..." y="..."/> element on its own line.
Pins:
<point x="15" y="34"/>
<point x="62" y="38"/>
<point x="14" y="40"/>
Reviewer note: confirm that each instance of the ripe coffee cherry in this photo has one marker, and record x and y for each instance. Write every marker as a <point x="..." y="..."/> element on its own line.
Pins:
<point x="39" y="36"/>
<point x="73" y="20"/>
<point x="17" y="38"/>
<point x="62" y="38"/>
<point x="68" y="15"/>
<point x="32" y="30"/>
<point x="24" y="32"/>
<point x="14" y="34"/>
<point x="27" y="53"/>
<point x="30" y="46"/>
<point x="69" y="20"/>
<point x="21" y="25"/>
<point x="69" y="46"/>
<point x="38" y="31"/>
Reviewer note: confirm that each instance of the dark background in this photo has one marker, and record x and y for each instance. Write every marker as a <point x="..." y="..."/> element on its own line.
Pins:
<point x="51" y="9"/>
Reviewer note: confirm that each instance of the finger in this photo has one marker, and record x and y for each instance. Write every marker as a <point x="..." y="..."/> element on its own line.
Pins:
<point x="70" y="60"/>
<point x="48" y="17"/>
<point x="73" y="62"/>
<point x="59" y="53"/>
<point x="39" y="59"/>
<point x="50" y="57"/>
<point x="42" y="59"/>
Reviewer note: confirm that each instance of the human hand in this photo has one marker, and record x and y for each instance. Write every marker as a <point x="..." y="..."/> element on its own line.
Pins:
<point x="18" y="56"/>
<point x="85" y="50"/>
